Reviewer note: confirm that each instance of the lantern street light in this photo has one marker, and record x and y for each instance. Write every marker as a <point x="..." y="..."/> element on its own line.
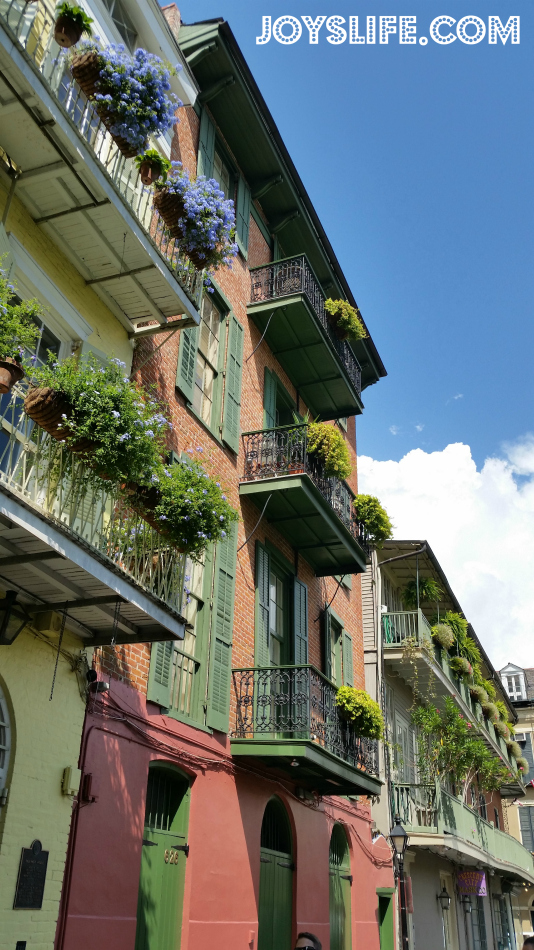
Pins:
<point x="444" y="898"/>
<point x="466" y="903"/>
<point x="399" y="842"/>
<point x="12" y="620"/>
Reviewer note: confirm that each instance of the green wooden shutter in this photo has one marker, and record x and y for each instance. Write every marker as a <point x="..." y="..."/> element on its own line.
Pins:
<point x="327" y="644"/>
<point x="187" y="357"/>
<point x="220" y="670"/>
<point x="269" y="400"/>
<point x="348" y="669"/>
<point x="206" y="146"/>
<point x="242" y="217"/>
<point x="261" y="626"/>
<point x="160" y="672"/>
<point x="300" y="623"/>
<point x="231" y="429"/>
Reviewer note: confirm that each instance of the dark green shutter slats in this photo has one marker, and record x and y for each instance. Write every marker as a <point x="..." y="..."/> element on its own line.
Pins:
<point x="327" y="647"/>
<point x="221" y="638"/>
<point x="160" y="673"/>
<point x="232" y="394"/>
<point x="269" y="400"/>
<point x="261" y="644"/>
<point x="242" y="215"/>
<point x="187" y="357"/>
<point x="300" y="623"/>
<point x="206" y="146"/>
<point x="348" y="670"/>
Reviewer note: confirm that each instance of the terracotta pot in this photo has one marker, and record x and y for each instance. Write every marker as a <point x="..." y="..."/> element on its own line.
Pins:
<point x="10" y="373"/>
<point x="85" y="68"/>
<point x="149" y="172"/>
<point x="66" y="32"/>
<point x="47" y="407"/>
<point x="170" y="207"/>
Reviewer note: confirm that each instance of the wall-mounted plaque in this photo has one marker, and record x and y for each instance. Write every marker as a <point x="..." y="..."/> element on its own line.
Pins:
<point x="31" y="880"/>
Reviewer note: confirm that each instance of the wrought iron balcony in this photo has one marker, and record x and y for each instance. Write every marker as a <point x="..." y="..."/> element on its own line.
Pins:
<point x="436" y="819"/>
<point x="100" y="195"/>
<point x="80" y="544"/>
<point x="314" y="512"/>
<point x="287" y="304"/>
<point x="287" y="716"/>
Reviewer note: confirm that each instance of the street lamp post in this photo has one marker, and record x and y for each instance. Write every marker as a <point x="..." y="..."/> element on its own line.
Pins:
<point x="399" y="840"/>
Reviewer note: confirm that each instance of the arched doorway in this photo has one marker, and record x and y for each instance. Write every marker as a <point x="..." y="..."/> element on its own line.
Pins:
<point x="275" y="915"/>
<point x="5" y="740"/>
<point x="163" y="860"/>
<point x="340" y="884"/>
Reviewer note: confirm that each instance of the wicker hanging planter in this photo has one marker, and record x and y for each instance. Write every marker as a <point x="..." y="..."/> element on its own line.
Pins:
<point x="10" y="373"/>
<point x="66" y="32"/>
<point x="108" y="119"/>
<point x="47" y="407"/>
<point x="170" y="207"/>
<point x="85" y="68"/>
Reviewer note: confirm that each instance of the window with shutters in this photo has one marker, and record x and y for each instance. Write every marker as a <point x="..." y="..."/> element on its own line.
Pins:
<point x="123" y="22"/>
<point x="337" y="650"/>
<point x="223" y="175"/>
<point x="279" y="408"/>
<point x="281" y="621"/>
<point x="211" y="386"/>
<point x="191" y="677"/>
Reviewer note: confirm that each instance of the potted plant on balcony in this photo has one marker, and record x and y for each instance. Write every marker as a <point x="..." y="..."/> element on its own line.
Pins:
<point x="152" y="166"/>
<point x="490" y="712"/>
<point x="18" y="333"/>
<point x="442" y="635"/>
<point x="356" y="707"/>
<point x="71" y="23"/>
<point x="501" y="729"/>
<point x="186" y="506"/>
<point x="346" y="320"/>
<point x="99" y="414"/>
<point x="199" y="216"/>
<point x="374" y="518"/>
<point x="514" y="749"/>
<point x="131" y="92"/>
<point x="326" y="443"/>
<point x="429" y="592"/>
<point x="522" y="765"/>
<point x="461" y="666"/>
<point x="478" y="693"/>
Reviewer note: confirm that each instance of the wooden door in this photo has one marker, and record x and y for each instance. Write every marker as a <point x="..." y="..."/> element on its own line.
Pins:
<point x="163" y="862"/>
<point x="340" y="891"/>
<point x="275" y="912"/>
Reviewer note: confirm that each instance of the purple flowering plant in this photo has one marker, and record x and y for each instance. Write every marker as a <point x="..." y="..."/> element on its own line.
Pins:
<point x="124" y="427"/>
<point x="134" y="89"/>
<point x="191" y="508"/>
<point x="207" y="225"/>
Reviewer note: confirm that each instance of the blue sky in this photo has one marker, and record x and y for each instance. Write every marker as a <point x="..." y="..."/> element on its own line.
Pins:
<point x="420" y="162"/>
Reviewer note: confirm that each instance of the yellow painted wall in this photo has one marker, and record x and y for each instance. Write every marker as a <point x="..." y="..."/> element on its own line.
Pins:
<point x="45" y="739"/>
<point x="108" y="336"/>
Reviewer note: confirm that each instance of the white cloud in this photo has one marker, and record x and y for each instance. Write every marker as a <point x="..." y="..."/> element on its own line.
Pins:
<point x="419" y="427"/>
<point x="458" y="396"/>
<point x="394" y="430"/>
<point x="480" y="525"/>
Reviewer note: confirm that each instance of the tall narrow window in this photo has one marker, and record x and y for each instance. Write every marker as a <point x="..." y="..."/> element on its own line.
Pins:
<point x="207" y="360"/>
<point x="187" y="651"/>
<point x="123" y="22"/>
<point x="223" y="176"/>
<point x="277" y="617"/>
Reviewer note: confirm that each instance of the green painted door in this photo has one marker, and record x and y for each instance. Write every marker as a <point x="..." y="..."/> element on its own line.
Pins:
<point x="161" y="884"/>
<point x="385" y="921"/>
<point x="275" y="912"/>
<point x="340" y="891"/>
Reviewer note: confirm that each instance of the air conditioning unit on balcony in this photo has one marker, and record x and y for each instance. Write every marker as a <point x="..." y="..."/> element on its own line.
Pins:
<point x="520" y="737"/>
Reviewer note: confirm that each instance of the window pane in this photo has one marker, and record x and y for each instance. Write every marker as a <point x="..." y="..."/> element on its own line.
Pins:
<point x="221" y="173"/>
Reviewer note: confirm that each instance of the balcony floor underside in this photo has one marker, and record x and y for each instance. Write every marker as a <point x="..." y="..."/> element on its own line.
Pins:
<point x="299" y="512"/>
<point x="104" y="239"/>
<point x="317" y="768"/>
<point x="302" y="348"/>
<point x="465" y="853"/>
<point x="50" y="566"/>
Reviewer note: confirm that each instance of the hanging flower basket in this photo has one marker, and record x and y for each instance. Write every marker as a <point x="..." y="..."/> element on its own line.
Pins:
<point x="71" y="23"/>
<point x="345" y="319"/>
<point x="48" y="408"/>
<point x="86" y="67"/>
<point x="10" y="373"/>
<point x="109" y="119"/>
<point x="170" y="208"/>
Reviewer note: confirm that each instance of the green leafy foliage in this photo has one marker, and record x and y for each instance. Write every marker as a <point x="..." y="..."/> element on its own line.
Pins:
<point x="514" y="749"/>
<point x="161" y="164"/>
<point x="501" y="729"/>
<point x="327" y="443"/>
<point x="429" y="592"/>
<point x="443" y="635"/>
<point x="490" y="711"/>
<point x="471" y="652"/>
<point x="511" y="728"/>
<point x="458" y="625"/>
<point x="461" y="666"/>
<point x="357" y="707"/>
<point x="522" y="765"/>
<point x="18" y="330"/>
<point x="479" y="694"/>
<point x="490" y="689"/>
<point x="375" y="519"/>
<point x="450" y="748"/>
<point x="191" y="509"/>
<point x="347" y="318"/>
<point x="77" y="16"/>
<point x="503" y="711"/>
<point x="125" y="428"/>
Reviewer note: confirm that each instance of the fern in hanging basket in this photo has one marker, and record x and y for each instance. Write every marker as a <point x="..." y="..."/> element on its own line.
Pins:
<point x="356" y="707"/>
<point x="490" y="712"/>
<point x="346" y="319"/>
<point x="479" y="694"/>
<point x="461" y="666"/>
<point x="522" y="765"/>
<point x="374" y="518"/>
<point x="443" y="635"/>
<point x="514" y="749"/>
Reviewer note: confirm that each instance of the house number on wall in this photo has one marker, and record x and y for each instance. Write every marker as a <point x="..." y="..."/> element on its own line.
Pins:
<point x="171" y="857"/>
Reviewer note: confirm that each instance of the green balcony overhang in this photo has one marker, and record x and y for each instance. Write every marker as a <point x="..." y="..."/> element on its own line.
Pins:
<point x="302" y="347"/>
<point x="308" y="764"/>
<point x="298" y="510"/>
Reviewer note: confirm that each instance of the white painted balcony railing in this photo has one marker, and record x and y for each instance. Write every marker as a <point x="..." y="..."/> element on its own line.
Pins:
<point x="401" y="625"/>
<point x="43" y="474"/>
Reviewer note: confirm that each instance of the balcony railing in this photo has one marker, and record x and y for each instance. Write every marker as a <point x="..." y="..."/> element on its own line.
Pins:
<point x="298" y="702"/>
<point x="278" y="452"/>
<point x="32" y="27"/>
<point x="401" y="625"/>
<point x="295" y="276"/>
<point x="429" y="809"/>
<point x="43" y="474"/>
